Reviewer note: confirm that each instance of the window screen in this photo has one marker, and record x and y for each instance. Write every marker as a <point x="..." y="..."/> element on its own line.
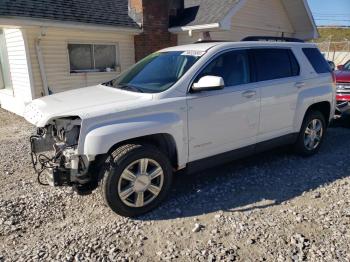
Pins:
<point x="232" y="66"/>
<point x="317" y="60"/>
<point x="271" y="63"/>
<point x="92" y="58"/>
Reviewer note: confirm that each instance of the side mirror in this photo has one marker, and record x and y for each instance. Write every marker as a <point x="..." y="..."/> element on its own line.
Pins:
<point x="340" y="67"/>
<point x="207" y="83"/>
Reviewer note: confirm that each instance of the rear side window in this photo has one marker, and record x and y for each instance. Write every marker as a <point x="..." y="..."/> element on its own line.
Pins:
<point x="294" y="64"/>
<point x="271" y="63"/>
<point x="317" y="60"/>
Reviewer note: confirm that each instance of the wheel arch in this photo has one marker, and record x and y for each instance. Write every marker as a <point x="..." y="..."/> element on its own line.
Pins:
<point x="323" y="107"/>
<point x="163" y="141"/>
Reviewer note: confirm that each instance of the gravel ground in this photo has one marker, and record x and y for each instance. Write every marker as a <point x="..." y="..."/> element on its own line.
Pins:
<point x="271" y="207"/>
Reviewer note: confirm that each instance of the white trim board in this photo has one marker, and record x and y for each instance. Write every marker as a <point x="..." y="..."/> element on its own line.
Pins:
<point x="21" y="22"/>
<point x="224" y="24"/>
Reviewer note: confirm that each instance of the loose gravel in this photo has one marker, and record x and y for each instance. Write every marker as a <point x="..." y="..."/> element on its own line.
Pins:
<point x="271" y="207"/>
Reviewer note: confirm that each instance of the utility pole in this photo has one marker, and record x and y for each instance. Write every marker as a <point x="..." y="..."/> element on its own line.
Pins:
<point x="329" y="45"/>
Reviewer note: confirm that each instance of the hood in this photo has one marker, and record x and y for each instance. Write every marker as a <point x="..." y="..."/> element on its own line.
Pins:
<point x="342" y="76"/>
<point x="82" y="102"/>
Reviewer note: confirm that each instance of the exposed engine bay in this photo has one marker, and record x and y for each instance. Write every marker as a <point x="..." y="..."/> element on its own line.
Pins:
<point x="54" y="154"/>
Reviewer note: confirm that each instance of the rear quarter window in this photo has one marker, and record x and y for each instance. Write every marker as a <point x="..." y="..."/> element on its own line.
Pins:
<point x="317" y="60"/>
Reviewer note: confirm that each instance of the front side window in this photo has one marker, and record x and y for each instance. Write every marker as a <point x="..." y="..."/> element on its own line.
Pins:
<point x="5" y="76"/>
<point x="157" y="72"/>
<point x="232" y="66"/>
<point x="92" y="58"/>
<point x="271" y="63"/>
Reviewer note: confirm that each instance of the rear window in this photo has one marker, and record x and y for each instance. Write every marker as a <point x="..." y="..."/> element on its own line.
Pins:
<point x="317" y="60"/>
<point x="271" y="63"/>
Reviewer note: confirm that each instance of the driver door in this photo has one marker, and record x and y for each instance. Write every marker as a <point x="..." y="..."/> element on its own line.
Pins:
<point x="223" y="120"/>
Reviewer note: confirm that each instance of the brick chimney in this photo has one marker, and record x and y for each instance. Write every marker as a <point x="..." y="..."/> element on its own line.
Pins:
<point x="153" y="16"/>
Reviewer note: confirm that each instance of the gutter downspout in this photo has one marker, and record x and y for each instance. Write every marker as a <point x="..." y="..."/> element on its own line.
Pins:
<point x="41" y="62"/>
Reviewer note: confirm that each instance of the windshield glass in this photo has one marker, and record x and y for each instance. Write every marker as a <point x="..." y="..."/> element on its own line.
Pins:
<point x="157" y="72"/>
<point x="347" y="66"/>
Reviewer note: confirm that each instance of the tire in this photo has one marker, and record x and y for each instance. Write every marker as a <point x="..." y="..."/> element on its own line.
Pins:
<point x="136" y="179"/>
<point x="304" y="146"/>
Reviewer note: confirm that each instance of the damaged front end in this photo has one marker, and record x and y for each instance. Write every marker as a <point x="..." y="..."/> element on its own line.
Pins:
<point x="54" y="154"/>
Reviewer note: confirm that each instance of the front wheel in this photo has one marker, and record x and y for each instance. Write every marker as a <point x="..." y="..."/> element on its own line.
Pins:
<point x="311" y="134"/>
<point x="136" y="180"/>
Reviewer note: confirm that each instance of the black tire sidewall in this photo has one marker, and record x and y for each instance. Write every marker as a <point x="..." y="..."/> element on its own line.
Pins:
<point x="300" y="145"/>
<point x="112" y="176"/>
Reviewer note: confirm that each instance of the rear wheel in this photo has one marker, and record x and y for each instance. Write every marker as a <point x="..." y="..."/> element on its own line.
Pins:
<point x="311" y="134"/>
<point x="136" y="180"/>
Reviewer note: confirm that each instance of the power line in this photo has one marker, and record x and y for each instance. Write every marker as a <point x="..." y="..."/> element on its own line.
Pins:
<point x="343" y="14"/>
<point x="336" y="20"/>
<point x="331" y="16"/>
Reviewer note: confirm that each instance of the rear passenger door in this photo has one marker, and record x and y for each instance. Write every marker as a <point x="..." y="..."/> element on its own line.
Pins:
<point x="276" y="72"/>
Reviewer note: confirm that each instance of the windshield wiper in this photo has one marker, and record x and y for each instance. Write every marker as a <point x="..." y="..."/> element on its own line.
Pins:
<point x="109" y="83"/>
<point x="124" y="87"/>
<point x="130" y="88"/>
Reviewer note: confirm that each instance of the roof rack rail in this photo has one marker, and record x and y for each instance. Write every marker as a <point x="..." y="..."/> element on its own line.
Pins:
<point x="272" y="39"/>
<point x="208" y="41"/>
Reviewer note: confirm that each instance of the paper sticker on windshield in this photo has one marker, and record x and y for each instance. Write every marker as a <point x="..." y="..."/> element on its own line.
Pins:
<point x="193" y="53"/>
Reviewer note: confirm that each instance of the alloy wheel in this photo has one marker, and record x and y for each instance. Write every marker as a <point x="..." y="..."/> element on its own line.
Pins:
<point x="313" y="134"/>
<point x="140" y="183"/>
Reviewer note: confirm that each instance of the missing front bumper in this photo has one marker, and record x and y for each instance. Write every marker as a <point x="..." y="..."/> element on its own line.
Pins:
<point x="56" y="177"/>
<point x="57" y="164"/>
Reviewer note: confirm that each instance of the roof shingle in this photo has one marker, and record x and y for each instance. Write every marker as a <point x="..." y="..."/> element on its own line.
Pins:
<point x="201" y="12"/>
<point x="101" y="12"/>
<point x="111" y="12"/>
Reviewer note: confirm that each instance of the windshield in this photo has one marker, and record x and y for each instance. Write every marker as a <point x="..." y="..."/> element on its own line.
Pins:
<point x="347" y="66"/>
<point x="157" y="72"/>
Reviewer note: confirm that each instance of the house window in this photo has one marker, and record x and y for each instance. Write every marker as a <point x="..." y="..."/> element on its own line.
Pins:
<point x="92" y="58"/>
<point x="5" y="76"/>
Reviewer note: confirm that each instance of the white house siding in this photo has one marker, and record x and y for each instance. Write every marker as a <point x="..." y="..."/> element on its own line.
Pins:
<point x="55" y="53"/>
<point x="14" y="100"/>
<point x="300" y="22"/>
<point x="256" y="17"/>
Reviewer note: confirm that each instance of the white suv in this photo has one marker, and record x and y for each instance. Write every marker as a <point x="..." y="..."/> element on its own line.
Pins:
<point x="185" y="107"/>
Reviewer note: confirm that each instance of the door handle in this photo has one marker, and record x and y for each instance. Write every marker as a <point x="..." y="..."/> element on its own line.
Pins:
<point x="249" y="94"/>
<point x="299" y="84"/>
